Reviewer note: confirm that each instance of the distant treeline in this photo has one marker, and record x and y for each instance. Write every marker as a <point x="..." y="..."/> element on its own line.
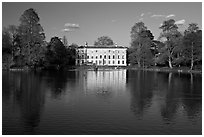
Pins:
<point x="24" y="46"/>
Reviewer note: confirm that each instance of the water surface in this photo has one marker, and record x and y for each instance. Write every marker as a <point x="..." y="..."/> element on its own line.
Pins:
<point x="103" y="102"/>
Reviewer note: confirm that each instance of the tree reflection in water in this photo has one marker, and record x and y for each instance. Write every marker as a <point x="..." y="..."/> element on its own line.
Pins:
<point x="29" y="97"/>
<point x="140" y="86"/>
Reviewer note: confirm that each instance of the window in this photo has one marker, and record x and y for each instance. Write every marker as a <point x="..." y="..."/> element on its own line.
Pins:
<point x="109" y="57"/>
<point x="113" y="62"/>
<point x="96" y="50"/>
<point x="118" y="61"/>
<point x="87" y="57"/>
<point x="108" y="62"/>
<point x="118" y="56"/>
<point x="123" y="62"/>
<point x="96" y="62"/>
<point x="104" y="56"/>
<point x="123" y="57"/>
<point x="99" y="62"/>
<point x="96" y="57"/>
<point x="100" y="56"/>
<point x="113" y="56"/>
<point x="92" y="57"/>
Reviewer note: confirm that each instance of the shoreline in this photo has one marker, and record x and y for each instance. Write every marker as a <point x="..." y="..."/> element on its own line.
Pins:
<point x="164" y="69"/>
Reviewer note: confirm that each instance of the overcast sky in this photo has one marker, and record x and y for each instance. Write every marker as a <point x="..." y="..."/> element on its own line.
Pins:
<point x="81" y="22"/>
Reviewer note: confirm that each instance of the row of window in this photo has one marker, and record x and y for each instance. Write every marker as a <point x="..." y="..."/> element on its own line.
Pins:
<point x="117" y="51"/>
<point x="109" y="57"/>
<point x="108" y="62"/>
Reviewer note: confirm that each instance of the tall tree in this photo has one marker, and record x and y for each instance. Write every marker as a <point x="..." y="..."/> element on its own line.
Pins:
<point x="103" y="41"/>
<point x="140" y="50"/>
<point x="56" y="54"/>
<point x="172" y="37"/>
<point x="32" y="36"/>
<point x="6" y="48"/>
<point x="72" y="53"/>
<point x="193" y="44"/>
<point x="13" y="31"/>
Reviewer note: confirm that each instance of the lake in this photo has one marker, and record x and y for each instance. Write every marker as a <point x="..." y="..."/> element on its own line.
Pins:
<point x="103" y="102"/>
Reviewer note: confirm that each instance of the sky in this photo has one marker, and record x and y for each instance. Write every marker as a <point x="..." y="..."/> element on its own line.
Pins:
<point x="86" y="21"/>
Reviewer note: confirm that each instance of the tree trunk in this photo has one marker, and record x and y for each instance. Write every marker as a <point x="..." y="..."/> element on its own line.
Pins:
<point x="170" y="65"/>
<point x="139" y="65"/>
<point x="192" y="56"/>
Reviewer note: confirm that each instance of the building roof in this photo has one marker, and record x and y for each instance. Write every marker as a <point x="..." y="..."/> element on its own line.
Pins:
<point x="102" y="46"/>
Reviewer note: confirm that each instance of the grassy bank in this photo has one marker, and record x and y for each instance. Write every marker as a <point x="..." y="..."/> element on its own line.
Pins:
<point x="166" y="69"/>
<point x="156" y="69"/>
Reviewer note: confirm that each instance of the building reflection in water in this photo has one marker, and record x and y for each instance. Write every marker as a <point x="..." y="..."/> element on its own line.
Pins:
<point x="156" y="98"/>
<point x="104" y="83"/>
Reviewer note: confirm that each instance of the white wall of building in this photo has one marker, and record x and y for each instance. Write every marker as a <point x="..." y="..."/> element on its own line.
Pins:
<point x="103" y="56"/>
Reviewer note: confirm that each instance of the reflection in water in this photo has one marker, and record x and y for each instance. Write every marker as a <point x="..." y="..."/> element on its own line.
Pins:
<point x="140" y="85"/>
<point x="101" y="102"/>
<point x="28" y="96"/>
<point x="105" y="81"/>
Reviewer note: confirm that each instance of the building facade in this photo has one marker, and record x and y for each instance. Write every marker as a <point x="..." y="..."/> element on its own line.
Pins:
<point x="102" y="56"/>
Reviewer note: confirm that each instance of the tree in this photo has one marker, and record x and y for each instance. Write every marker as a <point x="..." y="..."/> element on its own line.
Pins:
<point x="72" y="54"/>
<point x="140" y="50"/>
<point x="104" y="41"/>
<point x="193" y="44"/>
<point x="56" y="54"/>
<point x="31" y="35"/>
<point x="172" y="37"/>
<point x="13" y="32"/>
<point x="6" y="47"/>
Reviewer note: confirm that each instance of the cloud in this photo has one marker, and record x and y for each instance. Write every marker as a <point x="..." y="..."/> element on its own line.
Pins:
<point x="155" y="16"/>
<point x="66" y="30"/>
<point x="180" y="22"/>
<point x="72" y="25"/>
<point x="142" y="14"/>
<point x="170" y="15"/>
<point x="113" y="20"/>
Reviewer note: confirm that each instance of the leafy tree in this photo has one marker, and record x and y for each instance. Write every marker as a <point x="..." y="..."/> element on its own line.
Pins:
<point x="103" y="41"/>
<point x="13" y="32"/>
<point x="56" y="54"/>
<point x="6" y="47"/>
<point x="140" y="50"/>
<point x="136" y="29"/>
<point x="6" y="42"/>
<point x="193" y="44"/>
<point x="72" y="53"/>
<point x="31" y="35"/>
<point x="172" y="39"/>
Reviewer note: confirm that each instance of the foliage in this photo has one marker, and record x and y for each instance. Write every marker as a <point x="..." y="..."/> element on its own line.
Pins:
<point x="140" y="50"/>
<point x="72" y="53"/>
<point x="31" y="36"/>
<point x="173" y="40"/>
<point x="193" y="45"/>
<point x="103" y="41"/>
<point x="56" y="54"/>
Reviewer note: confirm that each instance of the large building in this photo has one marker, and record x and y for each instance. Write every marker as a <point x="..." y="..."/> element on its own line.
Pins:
<point x="102" y="55"/>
